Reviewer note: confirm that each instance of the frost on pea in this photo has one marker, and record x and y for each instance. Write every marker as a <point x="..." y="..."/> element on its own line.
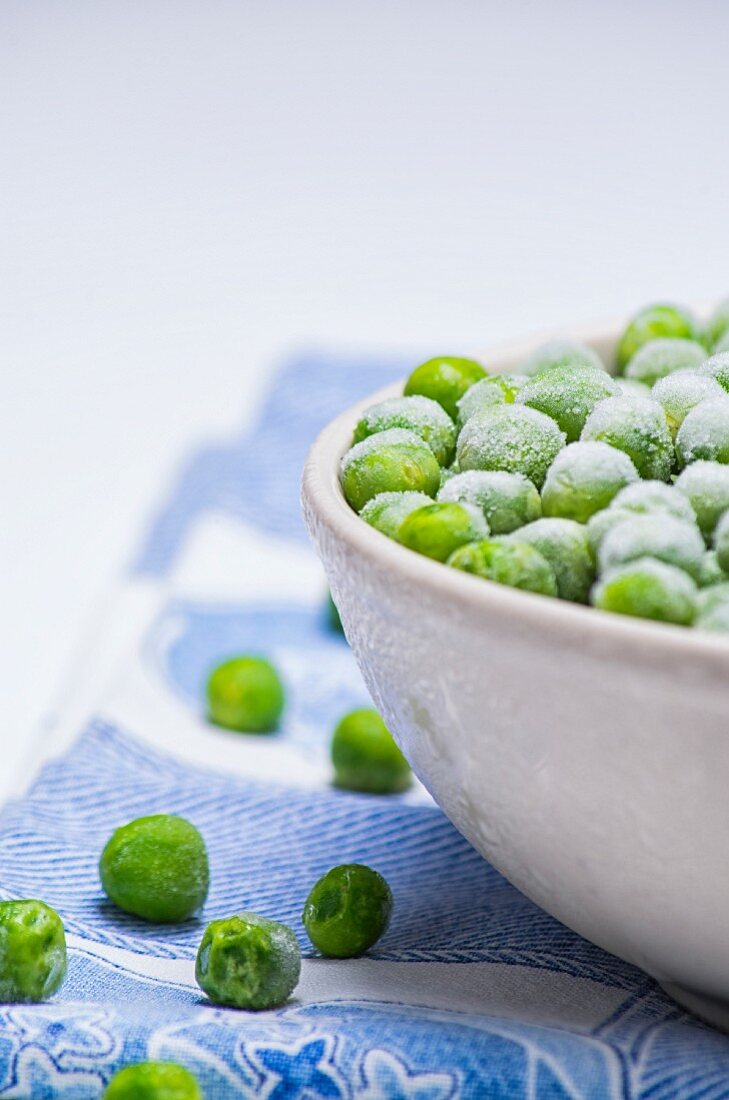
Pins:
<point x="507" y="500"/>
<point x="417" y="414"/>
<point x="386" y="511"/>
<point x="717" y="367"/>
<point x="706" y="485"/>
<point x="655" y="496"/>
<point x="483" y="395"/>
<point x="568" y="395"/>
<point x="660" y="358"/>
<point x="637" y="426"/>
<point x="704" y="433"/>
<point x="659" y="536"/>
<point x="513" y="438"/>
<point x="679" y="393"/>
<point x="564" y="543"/>
<point x="584" y="478"/>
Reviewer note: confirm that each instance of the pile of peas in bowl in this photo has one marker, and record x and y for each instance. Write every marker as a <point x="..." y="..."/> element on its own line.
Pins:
<point x="564" y="479"/>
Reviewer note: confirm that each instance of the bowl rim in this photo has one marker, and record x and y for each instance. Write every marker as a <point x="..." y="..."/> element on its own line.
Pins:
<point x="322" y="495"/>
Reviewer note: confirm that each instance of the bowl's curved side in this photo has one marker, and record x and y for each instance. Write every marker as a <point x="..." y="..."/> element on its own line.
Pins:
<point x="585" y="755"/>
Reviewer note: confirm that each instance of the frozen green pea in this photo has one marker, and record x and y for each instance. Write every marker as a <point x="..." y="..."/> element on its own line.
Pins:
<point x="395" y="460"/>
<point x="565" y="545"/>
<point x="417" y="414"/>
<point x="511" y="385"/>
<point x="512" y="563"/>
<point x="513" y="438"/>
<point x="247" y="961"/>
<point x="568" y="395"/>
<point x="717" y="367"/>
<point x="651" y="323"/>
<point x="387" y="511"/>
<point x="438" y="529"/>
<point x="721" y="542"/>
<point x="32" y="951"/>
<point x="365" y="756"/>
<point x="679" y="393"/>
<point x="157" y="868"/>
<point x="717" y="327"/>
<point x="660" y="536"/>
<point x="557" y="354"/>
<point x="706" y="484"/>
<point x="483" y="395"/>
<point x="153" y="1081"/>
<point x="638" y="427"/>
<point x="495" y="389"/>
<point x="602" y="522"/>
<point x="659" y="358"/>
<point x="647" y="497"/>
<point x="648" y="589"/>
<point x="347" y="911"/>
<point x="704" y="433"/>
<point x="711" y="572"/>
<point x="507" y="500"/>
<point x="584" y="478"/>
<point x="629" y="388"/>
<point x="245" y="694"/>
<point x="445" y="380"/>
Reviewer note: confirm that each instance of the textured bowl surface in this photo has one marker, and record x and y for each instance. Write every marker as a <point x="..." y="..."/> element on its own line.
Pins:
<point x="586" y="755"/>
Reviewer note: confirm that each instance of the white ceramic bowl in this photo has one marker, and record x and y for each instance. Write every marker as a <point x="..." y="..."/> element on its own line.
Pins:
<point x="586" y="755"/>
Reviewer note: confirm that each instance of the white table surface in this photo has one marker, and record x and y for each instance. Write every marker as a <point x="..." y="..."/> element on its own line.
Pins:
<point x="190" y="191"/>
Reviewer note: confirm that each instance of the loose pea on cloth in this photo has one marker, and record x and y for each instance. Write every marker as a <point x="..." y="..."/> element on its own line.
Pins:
<point x="473" y="992"/>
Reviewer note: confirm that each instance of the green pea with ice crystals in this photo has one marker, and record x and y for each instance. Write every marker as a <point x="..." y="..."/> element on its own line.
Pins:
<point x="651" y="323"/>
<point x="584" y="478"/>
<point x="395" y="460"/>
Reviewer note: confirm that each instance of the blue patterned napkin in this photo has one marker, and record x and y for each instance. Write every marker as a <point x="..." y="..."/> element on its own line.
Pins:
<point x="473" y="992"/>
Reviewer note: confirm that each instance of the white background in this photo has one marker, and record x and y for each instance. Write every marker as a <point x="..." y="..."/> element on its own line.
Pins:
<point x="189" y="191"/>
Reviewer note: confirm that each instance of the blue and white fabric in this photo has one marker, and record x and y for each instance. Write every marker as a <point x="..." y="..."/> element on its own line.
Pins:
<point x="473" y="992"/>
